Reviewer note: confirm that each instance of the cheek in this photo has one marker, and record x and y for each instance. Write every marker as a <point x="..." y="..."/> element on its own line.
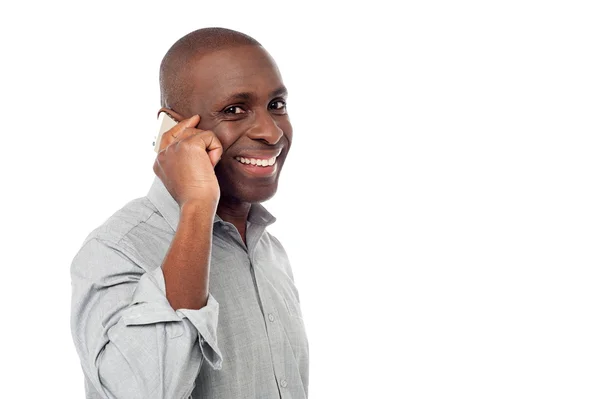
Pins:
<point x="228" y="134"/>
<point x="289" y="139"/>
<point x="286" y="128"/>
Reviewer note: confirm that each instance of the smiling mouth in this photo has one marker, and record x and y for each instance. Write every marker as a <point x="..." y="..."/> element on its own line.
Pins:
<point x="258" y="167"/>
<point x="257" y="161"/>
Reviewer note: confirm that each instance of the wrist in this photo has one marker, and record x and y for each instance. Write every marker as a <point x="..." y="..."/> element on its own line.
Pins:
<point x="199" y="208"/>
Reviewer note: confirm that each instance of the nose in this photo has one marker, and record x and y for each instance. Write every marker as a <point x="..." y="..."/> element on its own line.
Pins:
<point x="265" y="128"/>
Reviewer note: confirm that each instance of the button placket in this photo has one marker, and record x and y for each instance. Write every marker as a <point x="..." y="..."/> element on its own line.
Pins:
<point x="275" y="331"/>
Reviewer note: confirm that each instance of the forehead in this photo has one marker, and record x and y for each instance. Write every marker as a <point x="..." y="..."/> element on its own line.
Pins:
<point x="224" y="72"/>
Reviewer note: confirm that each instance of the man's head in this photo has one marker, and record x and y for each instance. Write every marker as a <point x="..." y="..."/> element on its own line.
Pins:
<point x="230" y="80"/>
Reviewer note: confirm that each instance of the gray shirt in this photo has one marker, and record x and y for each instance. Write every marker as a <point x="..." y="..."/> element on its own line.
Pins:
<point x="249" y="340"/>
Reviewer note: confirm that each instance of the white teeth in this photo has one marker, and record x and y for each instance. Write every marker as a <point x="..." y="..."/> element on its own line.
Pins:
<point x="257" y="162"/>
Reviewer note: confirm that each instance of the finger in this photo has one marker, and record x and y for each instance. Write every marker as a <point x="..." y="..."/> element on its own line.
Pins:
<point x="214" y="149"/>
<point x="207" y="140"/>
<point x="189" y="122"/>
<point x="186" y="133"/>
<point x="174" y="133"/>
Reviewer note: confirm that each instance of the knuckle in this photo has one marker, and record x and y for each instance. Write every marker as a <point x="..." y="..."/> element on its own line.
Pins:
<point x="211" y="134"/>
<point x="198" y="145"/>
<point x="211" y="138"/>
<point x="188" y="131"/>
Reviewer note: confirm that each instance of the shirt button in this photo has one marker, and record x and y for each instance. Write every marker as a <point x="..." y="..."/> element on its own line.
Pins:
<point x="271" y="317"/>
<point x="284" y="383"/>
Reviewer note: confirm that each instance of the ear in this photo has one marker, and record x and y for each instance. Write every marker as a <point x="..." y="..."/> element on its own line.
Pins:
<point x="171" y="113"/>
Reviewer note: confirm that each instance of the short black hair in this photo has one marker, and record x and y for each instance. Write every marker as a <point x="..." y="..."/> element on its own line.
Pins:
<point x="173" y="89"/>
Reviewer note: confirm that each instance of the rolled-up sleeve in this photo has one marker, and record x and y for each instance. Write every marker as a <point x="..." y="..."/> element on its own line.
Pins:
<point x="131" y="342"/>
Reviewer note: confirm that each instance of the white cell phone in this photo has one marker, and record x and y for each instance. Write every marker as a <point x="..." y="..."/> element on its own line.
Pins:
<point x="165" y="122"/>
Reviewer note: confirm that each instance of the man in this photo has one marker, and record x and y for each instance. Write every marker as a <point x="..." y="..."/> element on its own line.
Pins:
<point x="183" y="293"/>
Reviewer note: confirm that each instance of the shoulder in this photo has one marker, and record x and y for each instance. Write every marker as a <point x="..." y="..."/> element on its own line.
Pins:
<point x="274" y="241"/>
<point x="273" y="244"/>
<point x="278" y="251"/>
<point x="133" y="232"/>
<point x="138" y="214"/>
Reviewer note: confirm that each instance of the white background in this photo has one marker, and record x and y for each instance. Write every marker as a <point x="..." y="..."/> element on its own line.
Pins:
<point x="440" y="204"/>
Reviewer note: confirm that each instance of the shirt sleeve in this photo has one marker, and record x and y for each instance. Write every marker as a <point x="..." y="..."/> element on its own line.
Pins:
<point x="131" y="342"/>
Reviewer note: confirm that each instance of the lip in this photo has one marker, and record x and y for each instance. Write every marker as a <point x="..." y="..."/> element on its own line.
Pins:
<point x="257" y="171"/>
<point x="259" y="154"/>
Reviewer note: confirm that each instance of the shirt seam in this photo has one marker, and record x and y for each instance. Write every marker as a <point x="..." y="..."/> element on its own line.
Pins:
<point x="133" y="227"/>
<point x="120" y="248"/>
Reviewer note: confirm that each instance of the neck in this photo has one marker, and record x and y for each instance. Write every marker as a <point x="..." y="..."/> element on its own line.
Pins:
<point x="234" y="212"/>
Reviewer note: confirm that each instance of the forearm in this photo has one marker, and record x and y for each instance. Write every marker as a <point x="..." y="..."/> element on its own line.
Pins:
<point x="186" y="266"/>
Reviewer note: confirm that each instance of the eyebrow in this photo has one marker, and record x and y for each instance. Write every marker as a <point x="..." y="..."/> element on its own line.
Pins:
<point x="280" y="91"/>
<point x="248" y="96"/>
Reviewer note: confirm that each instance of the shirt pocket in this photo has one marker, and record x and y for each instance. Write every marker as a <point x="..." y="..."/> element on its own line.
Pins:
<point x="295" y="330"/>
<point x="293" y="307"/>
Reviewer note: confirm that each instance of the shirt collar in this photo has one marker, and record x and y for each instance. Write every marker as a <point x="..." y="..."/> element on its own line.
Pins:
<point x="168" y="207"/>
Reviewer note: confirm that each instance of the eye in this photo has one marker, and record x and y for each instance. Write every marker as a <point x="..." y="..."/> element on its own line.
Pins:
<point x="234" y="109"/>
<point x="278" y="105"/>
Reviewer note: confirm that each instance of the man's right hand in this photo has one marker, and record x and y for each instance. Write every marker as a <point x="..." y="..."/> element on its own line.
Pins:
<point x="185" y="163"/>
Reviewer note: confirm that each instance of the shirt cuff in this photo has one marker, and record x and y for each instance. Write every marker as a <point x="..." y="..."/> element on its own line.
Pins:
<point x="150" y="305"/>
<point x="205" y="320"/>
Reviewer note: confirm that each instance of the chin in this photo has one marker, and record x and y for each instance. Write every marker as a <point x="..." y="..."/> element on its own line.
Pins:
<point x="256" y="194"/>
<point x="238" y="187"/>
<point x="249" y="194"/>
